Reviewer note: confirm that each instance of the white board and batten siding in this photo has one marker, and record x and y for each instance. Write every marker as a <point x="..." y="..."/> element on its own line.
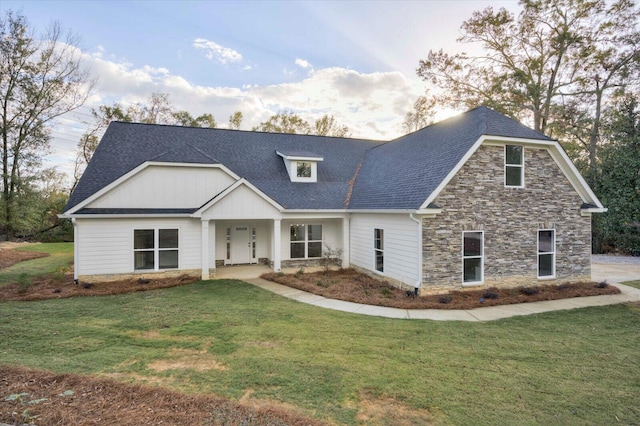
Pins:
<point x="401" y="245"/>
<point x="106" y="245"/>
<point x="241" y="203"/>
<point x="167" y="187"/>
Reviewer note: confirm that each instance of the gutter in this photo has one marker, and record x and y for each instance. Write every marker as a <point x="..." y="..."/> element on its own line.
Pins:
<point x="418" y="283"/>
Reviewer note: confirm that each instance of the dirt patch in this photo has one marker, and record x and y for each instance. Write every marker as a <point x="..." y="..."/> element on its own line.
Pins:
<point x="389" y="411"/>
<point x="70" y="399"/>
<point x="52" y="287"/>
<point x="351" y="286"/>
<point x="181" y="359"/>
<point x="11" y="257"/>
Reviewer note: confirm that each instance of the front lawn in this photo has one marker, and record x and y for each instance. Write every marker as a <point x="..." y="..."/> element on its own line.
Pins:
<point x="235" y="340"/>
<point x="635" y="283"/>
<point x="59" y="261"/>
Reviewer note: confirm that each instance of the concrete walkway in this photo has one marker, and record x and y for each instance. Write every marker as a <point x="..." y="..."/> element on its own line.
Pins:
<point x="613" y="273"/>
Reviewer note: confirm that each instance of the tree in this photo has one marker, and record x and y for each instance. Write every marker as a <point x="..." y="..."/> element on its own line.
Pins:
<point x="287" y="122"/>
<point x="556" y="56"/>
<point x="424" y="110"/>
<point x="619" y="186"/>
<point x="235" y="120"/>
<point x="157" y="110"/>
<point x="40" y="80"/>
<point x="284" y="122"/>
<point x="327" y="125"/>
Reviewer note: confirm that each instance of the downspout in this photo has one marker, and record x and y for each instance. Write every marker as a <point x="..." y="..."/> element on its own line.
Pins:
<point x="75" y="250"/>
<point x="418" y="283"/>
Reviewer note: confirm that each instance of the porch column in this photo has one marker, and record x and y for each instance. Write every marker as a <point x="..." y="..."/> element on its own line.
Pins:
<point x="276" y="249"/>
<point x="346" y="257"/>
<point x="212" y="249"/>
<point x="76" y="249"/>
<point x="204" y="242"/>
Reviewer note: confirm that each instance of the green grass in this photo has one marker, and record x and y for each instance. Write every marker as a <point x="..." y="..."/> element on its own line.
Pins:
<point x="635" y="283"/>
<point x="567" y="367"/>
<point x="61" y="256"/>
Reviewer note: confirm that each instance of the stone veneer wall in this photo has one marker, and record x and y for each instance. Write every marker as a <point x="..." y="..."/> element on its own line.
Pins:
<point x="477" y="200"/>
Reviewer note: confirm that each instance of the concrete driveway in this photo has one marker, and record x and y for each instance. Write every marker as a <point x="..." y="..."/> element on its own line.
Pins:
<point x="615" y="269"/>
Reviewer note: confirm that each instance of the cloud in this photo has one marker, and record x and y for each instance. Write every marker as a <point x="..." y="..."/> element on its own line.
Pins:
<point x="303" y="63"/>
<point x="214" y="51"/>
<point x="372" y="105"/>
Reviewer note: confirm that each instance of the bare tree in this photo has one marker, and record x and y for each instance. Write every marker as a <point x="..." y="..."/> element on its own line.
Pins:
<point x="41" y="78"/>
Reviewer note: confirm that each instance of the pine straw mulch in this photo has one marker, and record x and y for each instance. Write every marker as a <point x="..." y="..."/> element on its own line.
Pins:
<point x="44" y="398"/>
<point x="351" y="286"/>
<point x="10" y="257"/>
<point x="60" y="287"/>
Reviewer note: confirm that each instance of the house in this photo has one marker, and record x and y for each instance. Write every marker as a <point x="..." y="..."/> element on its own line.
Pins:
<point x="478" y="199"/>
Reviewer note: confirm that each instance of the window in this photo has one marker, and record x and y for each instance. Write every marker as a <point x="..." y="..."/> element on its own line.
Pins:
<point x="306" y="241"/>
<point x="304" y="169"/>
<point x="378" y="248"/>
<point x="472" y="257"/>
<point x="155" y="249"/>
<point x="514" y="166"/>
<point x="546" y="253"/>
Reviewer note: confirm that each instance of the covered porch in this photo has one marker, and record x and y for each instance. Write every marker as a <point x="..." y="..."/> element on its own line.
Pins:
<point x="249" y="247"/>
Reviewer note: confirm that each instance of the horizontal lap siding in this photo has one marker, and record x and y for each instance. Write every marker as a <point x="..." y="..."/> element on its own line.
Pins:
<point x="400" y="245"/>
<point x="105" y="246"/>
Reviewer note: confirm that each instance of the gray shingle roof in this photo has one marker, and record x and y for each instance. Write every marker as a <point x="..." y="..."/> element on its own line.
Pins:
<point x="403" y="173"/>
<point x="400" y="174"/>
<point x="251" y="155"/>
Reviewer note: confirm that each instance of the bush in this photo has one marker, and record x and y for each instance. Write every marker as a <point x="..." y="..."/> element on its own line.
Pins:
<point x="529" y="291"/>
<point x="491" y="294"/>
<point x="445" y="299"/>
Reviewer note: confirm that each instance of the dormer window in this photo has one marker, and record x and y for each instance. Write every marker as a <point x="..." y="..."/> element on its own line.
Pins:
<point x="304" y="169"/>
<point x="301" y="166"/>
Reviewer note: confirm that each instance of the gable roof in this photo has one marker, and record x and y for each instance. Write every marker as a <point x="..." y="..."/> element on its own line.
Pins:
<point x="250" y="155"/>
<point x="356" y="174"/>
<point x="403" y="173"/>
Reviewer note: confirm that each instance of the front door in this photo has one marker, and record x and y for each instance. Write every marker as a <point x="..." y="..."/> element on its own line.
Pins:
<point x="240" y="244"/>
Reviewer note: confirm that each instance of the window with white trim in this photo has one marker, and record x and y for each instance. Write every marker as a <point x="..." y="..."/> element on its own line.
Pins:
<point x="306" y="241"/>
<point x="472" y="257"/>
<point x="303" y="169"/>
<point x="155" y="249"/>
<point x="378" y="249"/>
<point x="546" y="253"/>
<point x="514" y="166"/>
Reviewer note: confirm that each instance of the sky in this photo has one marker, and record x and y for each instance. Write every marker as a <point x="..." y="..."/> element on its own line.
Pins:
<point x="355" y="60"/>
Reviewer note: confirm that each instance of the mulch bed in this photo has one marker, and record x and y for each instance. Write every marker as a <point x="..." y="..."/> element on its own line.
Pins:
<point x="351" y="286"/>
<point x="11" y="257"/>
<point x="50" y="287"/>
<point x="72" y="399"/>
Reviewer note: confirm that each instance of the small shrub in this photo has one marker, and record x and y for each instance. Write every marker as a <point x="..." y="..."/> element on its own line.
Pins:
<point x="445" y="299"/>
<point x="529" y="291"/>
<point x="323" y="284"/>
<point x="490" y="294"/>
<point x="24" y="282"/>
<point x="299" y="273"/>
<point x="602" y="284"/>
<point x="385" y="292"/>
<point x="330" y="256"/>
<point x="58" y="274"/>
